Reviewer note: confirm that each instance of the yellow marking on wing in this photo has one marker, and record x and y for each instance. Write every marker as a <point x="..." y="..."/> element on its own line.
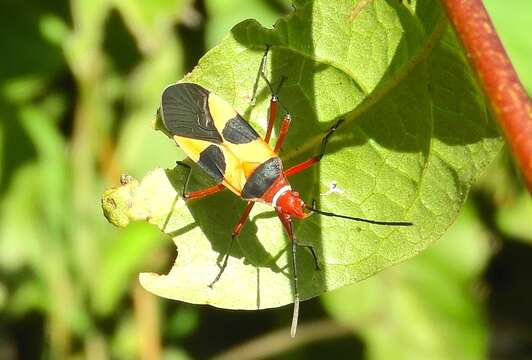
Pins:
<point x="249" y="168"/>
<point x="234" y="176"/>
<point x="256" y="151"/>
<point x="221" y="111"/>
<point x="191" y="147"/>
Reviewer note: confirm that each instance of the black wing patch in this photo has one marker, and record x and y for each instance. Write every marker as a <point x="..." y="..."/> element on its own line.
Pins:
<point x="238" y="131"/>
<point x="262" y="178"/>
<point x="213" y="162"/>
<point x="185" y="112"/>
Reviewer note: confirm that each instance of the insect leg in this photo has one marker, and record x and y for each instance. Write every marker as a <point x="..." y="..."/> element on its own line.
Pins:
<point x="272" y="110"/>
<point x="262" y="66"/>
<point x="272" y="113"/>
<point x="315" y="159"/>
<point x="282" y="132"/>
<point x="311" y="249"/>
<point x="295" y="314"/>
<point x="205" y="192"/>
<point x="236" y="231"/>
<point x="187" y="179"/>
<point x="274" y="100"/>
<point x="200" y="193"/>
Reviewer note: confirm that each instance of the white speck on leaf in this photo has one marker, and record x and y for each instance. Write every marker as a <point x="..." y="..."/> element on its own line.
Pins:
<point x="333" y="188"/>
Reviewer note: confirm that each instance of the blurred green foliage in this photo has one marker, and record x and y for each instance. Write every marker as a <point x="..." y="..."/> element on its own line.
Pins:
<point x="79" y="85"/>
<point x="512" y="20"/>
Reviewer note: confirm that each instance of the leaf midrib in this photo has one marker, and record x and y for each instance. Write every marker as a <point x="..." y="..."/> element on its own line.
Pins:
<point x="379" y="92"/>
<point x="369" y="102"/>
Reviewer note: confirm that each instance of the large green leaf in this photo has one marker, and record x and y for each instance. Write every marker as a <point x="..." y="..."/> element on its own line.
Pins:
<point x="416" y="135"/>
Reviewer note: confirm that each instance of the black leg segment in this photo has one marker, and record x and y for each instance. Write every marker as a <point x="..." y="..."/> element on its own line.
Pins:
<point x="187" y="179"/>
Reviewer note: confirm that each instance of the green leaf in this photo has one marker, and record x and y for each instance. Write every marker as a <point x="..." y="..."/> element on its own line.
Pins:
<point x="21" y="219"/>
<point x="182" y="322"/>
<point x="124" y="341"/>
<point x="54" y="176"/>
<point x="431" y="307"/>
<point x="416" y="135"/>
<point x="142" y="91"/>
<point x="151" y="22"/>
<point x="29" y="296"/>
<point x="121" y="260"/>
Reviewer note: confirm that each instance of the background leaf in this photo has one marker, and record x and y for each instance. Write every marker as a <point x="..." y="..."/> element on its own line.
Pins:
<point x="507" y="25"/>
<point x="431" y="304"/>
<point x="120" y="263"/>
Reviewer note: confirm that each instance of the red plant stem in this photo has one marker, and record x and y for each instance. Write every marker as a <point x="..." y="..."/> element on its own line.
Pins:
<point x="497" y="76"/>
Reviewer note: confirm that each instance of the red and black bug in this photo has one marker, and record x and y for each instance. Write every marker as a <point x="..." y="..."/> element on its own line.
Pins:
<point x="232" y="153"/>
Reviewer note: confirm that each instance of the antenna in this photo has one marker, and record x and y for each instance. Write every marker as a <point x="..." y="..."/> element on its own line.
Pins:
<point x="295" y="315"/>
<point x="375" y="222"/>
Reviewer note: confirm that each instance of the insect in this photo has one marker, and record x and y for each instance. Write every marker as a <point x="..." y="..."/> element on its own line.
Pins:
<point x="231" y="152"/>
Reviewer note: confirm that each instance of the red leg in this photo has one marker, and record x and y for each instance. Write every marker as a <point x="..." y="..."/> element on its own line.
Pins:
<point x="315" y="159"/>
<point x="272" y="113"/>
<point x="243" y="218"/>
<point x="274" y="101"/>
<point x="201" y="193"/>
<point x="282" y="132"/>
<point x="236" y="231"/>
<point x="301" y="166"/>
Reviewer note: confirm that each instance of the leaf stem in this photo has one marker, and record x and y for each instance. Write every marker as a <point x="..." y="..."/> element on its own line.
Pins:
<point x="497" y="77"/>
